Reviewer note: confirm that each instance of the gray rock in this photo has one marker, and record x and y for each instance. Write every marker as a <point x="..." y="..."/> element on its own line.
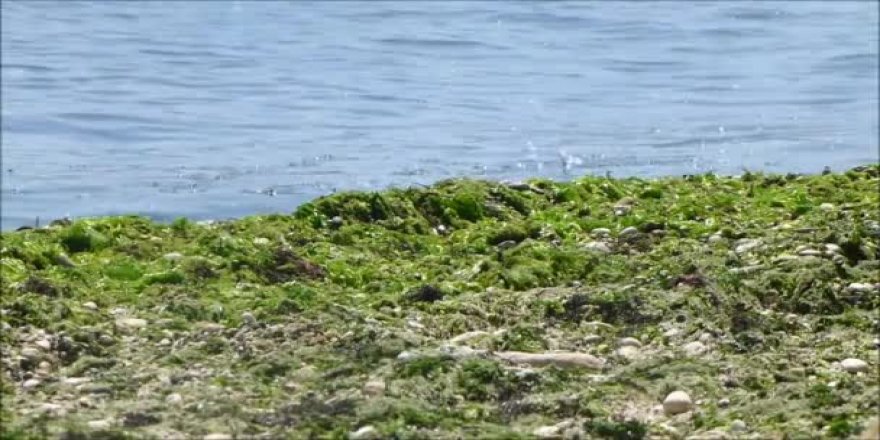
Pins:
<point x="628" y="232"/>
<point x="365" y="433"/>
<point x="853" y="365"/>
<point x="745" y="245"/>
<point x="598" y="246"/>
<point x="173" y="256"/>
<point x="601" y="232"/>
<point x="629" y="342"/>
<point x="677" y="402"/>
<point x="738" y="426"/>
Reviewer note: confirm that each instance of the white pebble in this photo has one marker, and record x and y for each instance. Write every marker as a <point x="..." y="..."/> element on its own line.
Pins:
<point x="374" y="387"/>
<point x="131" y="324"/>
<point x="694" y="348"/>
<point x="174" y="399"/>
<point x="861" y="287"/>
<point x="600" y="232"/>
<point x="628" y="352"/>
<point x="597" y="246"/>
<point x="826" y="207"/>
<point x="173" y="256"/>
<point x="90" y="305"/>
<point x="677" y="402"/>
<point x="100" y="424"/>
<point x="723" y="403"/>
<point x="716" y="238"/>
<point x="364" y="433"/>
<point x="746" y="244"/>
<point x="44" y="344"/>
<point x="30" y="384"/>
<point x="852" y="365"/>
<point x="31" y="353"/>
<point x="738" y="426"/>
<point x="546" y="432"/>
<point x="629" y="342"/>
<point x="629" y="231"/>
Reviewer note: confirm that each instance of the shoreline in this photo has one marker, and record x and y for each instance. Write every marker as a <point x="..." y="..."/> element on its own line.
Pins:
<point x="700" y="306"/>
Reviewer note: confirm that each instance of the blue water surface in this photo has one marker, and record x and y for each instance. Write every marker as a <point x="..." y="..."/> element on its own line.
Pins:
<point x="215" y="109"/>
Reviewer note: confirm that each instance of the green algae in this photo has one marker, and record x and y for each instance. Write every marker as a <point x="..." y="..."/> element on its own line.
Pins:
<point x="290" y="315"/>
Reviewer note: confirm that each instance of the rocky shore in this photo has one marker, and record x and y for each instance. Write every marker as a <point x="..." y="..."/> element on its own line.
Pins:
<point x="699" y="307"/>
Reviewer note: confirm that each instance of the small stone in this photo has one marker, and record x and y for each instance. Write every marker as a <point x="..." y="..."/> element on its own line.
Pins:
<point x="210" y="327"/>
<point x="164" y="342"/>
<point x="861" y="287"/>
<point x="90" y="305"/>
<point x="406" y="356"/>
<point x="671" y="333"/>
<point x="217" y="436"/>
<point x="364" y="433"/>
<point x="852" y="365"/>
<point x="745" y="245"/>
<point x="130" y="324"/>
<point x="677" y="402"/>
<point x="597" y="246"/>
<point x="723" y="403"/>
<point x="547" y="432"/>
<point x="629" y="352"/>
<point x="374" y="387"/>
<point x="621" y="210"/>
<point x="738" y="426"/>
<point x="31" y="384"/>
<point x="173" y="256"/>
<point x="826" y="207"/>
<point x="592" y="339"/>
<point x="831" y="247"/>
<point x="810" y="253"/>
<point x="44" y="344"/>
<point x="694" y="348"/>
<point x="716" y="238"/>
<point x="64" y="260"/>
<point x="100" y="424"/>
<point x="629" y="231"/>
<point x="31" y="353"/>
<point x="705" y="337"/>
<point x="601" y="232"/>
<point x="174" y="399"/>
<point x="261" y="241"/>
<point x="74" y="381"/>
<point x="52" y="408"/>
<point x="629" y="342"/>
<point x="336" y="221"/>
<point x="249" y="319"/>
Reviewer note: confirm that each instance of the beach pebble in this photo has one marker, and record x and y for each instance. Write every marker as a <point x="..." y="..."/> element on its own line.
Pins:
<point x="592" y="339"/>
<point x="738" y="426"/>
<point x="31" y="353"/>
<point x="861" y="287"/>
<point x="130" y="324"/>
<point x="601" y="232"/>
<point x="100" y="424"/>
<point x="597" y="246"/>
<point x="249" y="319"/>
<point x="694" y="348"/>
<point x="629" y="342"/>
<point x="745" y="245"/>
<point x="173" y="256"/>
<point x="375" y="387"/>
<point x="365" y="433"/>
<point x="547" y="432"/>
<point x="677" y="402"/>
<point x="74" y="381"/>
<point x="53" y="409"/>
<point x="852" y="365"/>
<point x="629" y="231"/>
<point x="628" y="352"/>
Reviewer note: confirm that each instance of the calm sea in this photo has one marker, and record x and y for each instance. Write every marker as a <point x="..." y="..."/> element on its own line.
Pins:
<point x="215" y="109"/>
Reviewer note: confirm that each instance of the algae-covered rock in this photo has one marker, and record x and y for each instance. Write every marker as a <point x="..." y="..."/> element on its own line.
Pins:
<point x="464" y="309"/>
